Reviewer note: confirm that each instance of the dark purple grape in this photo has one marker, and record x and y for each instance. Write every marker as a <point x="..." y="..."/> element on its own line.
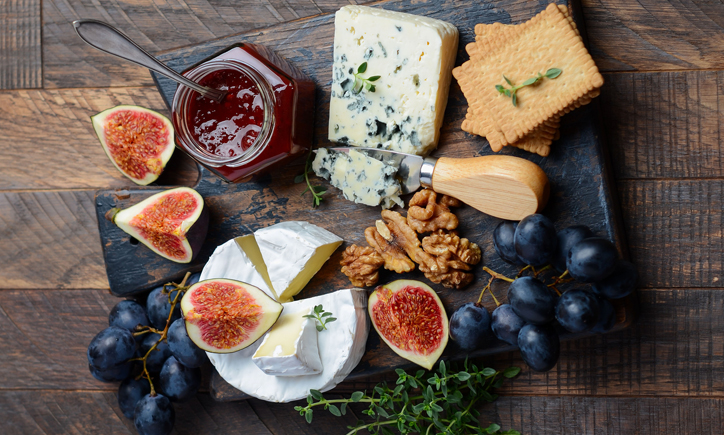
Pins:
<point x="592" y="259"/>
<point x="185" y="350"/>
<point x="535" y="240"/>
<point x="158" y="307"/>
<point x="470" y="326"/>
<point x="607" y="317"/>
<point x="506" y="324"/>
<point x="178" y="382"/>
<point x="532" y="300"/>
<point x="158" y="356"/>
<point x="116" y="373"/>
<point x="503" y="242"/>
<point x="539" y="346"/>
<point x="111" y="347"/>
<point x="128" y="315"/>
<point x="566" y="239"/>
<point x="620" y="283"/>
<point x="154" y="415"/>
<point x="577" y="310"/>
<point x="130" y="392"/>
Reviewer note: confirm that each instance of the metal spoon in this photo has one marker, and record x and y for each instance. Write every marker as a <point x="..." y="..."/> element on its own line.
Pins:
<point x="108" y="39"/>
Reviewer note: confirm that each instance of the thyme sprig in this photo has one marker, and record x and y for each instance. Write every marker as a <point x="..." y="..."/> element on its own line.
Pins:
<point x="361" y="82"/>
<point x="323" y="317"/>
<point x="317" y="191"/>
<point x="512" y="92"/>
<point x="442" y="403"/>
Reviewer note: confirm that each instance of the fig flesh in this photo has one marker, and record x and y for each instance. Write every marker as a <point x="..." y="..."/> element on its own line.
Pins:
<point x="138" y="141"/>
<point x="225" y="316"/>
<point x="410" y="318"/>
<point x="172" y="223"/>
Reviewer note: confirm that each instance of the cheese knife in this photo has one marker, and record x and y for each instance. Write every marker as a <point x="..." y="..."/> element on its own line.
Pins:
<point x="502" y="186"/>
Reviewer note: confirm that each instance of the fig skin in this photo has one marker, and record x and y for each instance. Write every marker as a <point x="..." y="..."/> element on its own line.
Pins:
<point x="426" y="361"/>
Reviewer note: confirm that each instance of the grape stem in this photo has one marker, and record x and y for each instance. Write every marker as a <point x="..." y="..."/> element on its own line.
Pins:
<point x="180" y="290"/>
<point x="498" y="275"/>
<point x="489" y="289"/>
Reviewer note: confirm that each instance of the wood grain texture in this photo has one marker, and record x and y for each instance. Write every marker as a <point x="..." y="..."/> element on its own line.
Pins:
<point x="629" y="35"/>
<point x="665" y="125"/>
<point x="20" y="44"/>
<point x="69" y="62"/>
<point x="84" y="412"/>
<point x="48" y="139"/>
<point x="605" y="416"/>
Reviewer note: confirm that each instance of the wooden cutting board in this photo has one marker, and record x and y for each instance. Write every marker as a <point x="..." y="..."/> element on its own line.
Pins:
<point x="582" y="187"/>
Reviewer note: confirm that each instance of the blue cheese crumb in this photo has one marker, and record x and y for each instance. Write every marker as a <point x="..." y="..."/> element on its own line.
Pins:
<point x="361" y="179"/>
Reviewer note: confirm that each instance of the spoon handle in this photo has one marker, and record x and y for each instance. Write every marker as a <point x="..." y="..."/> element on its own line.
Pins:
<point x="108" y="39"/>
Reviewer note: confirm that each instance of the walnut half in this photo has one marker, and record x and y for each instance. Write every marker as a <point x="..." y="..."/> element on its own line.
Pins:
<point x="361" y="265"/>
<point x="454" y="256"/>
<point x="427" y="214"/>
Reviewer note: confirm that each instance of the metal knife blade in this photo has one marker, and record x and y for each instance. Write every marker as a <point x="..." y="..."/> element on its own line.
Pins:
<point x="409" y="165"/>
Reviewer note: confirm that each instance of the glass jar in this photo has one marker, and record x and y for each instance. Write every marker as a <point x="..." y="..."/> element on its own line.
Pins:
<point x="266" y="119"/>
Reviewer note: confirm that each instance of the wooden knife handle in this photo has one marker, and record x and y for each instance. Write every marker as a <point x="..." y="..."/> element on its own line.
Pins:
<point x="506" y="187"/>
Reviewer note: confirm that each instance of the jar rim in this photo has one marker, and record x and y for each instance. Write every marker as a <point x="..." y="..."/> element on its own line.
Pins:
<point x="182" y="100"/>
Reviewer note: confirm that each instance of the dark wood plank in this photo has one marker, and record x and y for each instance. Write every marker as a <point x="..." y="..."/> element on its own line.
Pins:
<point x="48" y="139"/>
<point x="628" y="35"/>
<point x="281" y="418"/>
<point x="673" y="228"/>
<point x="605" y="415"/>
<point x="665" y="125"/>
<point x="20" y="50"/>
<point x="69" y="62"/>
<point x="85" y="412"/>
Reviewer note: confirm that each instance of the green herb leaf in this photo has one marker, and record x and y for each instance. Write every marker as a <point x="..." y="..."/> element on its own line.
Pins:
<point x="508" y="80"/>
<point x="530" y="81"/>
<point x="488" y="372"/>
<point x="493" y="428"/>
<point x="515" y="100"/>
<point x="362" y="68"/>
<point x="343" y="408"/>
<point x="299" y="179"/>
<point x="308" y="415"/>
<point x="500" y="88"/>
<point x="357" y="396"/>
<point x="335" y="411"/>
<point x="511" y="372"/>
<point x="316" y="394"/>
<point x="553" y="73"/>
<point x="373" y="78"/>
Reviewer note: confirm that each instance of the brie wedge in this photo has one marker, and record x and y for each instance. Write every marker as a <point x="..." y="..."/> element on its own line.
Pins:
<point x="341" y="347"/>
<point x="290" y="347"/>
<point x="293" y="252"/>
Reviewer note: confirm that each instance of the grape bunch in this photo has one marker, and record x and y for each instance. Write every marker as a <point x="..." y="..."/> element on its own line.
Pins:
<point x="148" y="349"/>
<point x="536" y="311"/>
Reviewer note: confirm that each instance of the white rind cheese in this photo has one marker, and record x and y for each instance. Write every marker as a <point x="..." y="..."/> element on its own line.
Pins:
<point x="414" y="56"/>
<point x="361" y="179"/>
<point x="290" y="347"/>
<point x="341" y="347"/>
<point x="229" y="261"/>
<point x="293" y="252"/>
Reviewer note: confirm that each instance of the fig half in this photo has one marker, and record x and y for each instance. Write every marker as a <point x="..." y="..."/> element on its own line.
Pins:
<point x="410" y="318"/>
<point x="224" y="316"/>
<point x="172" y="223"/>
<point x="138" y="141"/>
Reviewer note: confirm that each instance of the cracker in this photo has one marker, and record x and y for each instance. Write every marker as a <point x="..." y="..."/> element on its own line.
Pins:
<point x="509" y="53"/>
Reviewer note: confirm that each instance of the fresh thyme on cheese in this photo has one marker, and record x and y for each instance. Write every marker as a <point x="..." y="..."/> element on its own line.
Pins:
<point x="413" y="56"/>
<point x="290" y="347"/>
<point x="361" y="179"/>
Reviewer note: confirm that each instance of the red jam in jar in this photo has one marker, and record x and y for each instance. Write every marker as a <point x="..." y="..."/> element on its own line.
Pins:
<point x="265" y="119"/>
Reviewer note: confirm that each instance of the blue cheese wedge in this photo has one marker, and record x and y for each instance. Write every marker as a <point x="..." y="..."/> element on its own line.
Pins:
<point x="361" y="179"/>
<point x="413" y="56"/>
<point x="290" y="347"/>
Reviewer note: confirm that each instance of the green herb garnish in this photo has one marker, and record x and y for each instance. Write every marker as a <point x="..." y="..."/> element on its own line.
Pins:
<point x="317" y="191"/>
<point x="322" y="317"/>
<point x="513" y="91"/>
<point x="443" y="403"/>
<point x="361" y="82"/>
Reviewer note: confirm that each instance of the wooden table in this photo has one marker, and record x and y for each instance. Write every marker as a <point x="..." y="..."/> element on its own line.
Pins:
<point x="663" y="62"/>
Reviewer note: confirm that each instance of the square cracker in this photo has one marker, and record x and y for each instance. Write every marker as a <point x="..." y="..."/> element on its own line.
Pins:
<point x="509" y="53"/>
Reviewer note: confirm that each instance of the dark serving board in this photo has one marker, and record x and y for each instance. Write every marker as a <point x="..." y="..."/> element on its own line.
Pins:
<point x="582" y="188"/>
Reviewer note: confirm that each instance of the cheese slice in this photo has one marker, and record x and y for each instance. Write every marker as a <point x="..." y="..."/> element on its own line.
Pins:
<point x="413" y="56"/>
<point x="230" y="261"/>
<point x="290" y="347"/>
<point x="250" y="248"/>
<point x="341" y="347"/>
<point x="293" y="252"/>
<point x="362" y="179"/>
